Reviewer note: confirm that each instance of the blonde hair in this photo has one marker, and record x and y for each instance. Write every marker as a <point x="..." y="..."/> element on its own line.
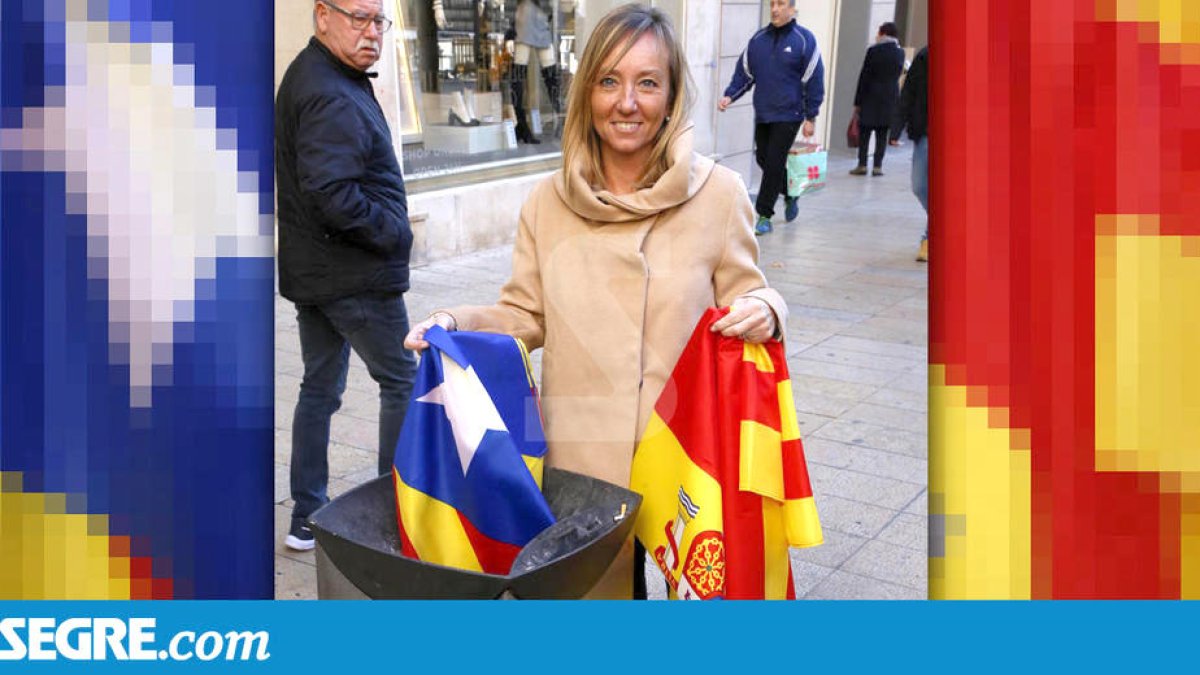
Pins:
<point x="612" y="38"/>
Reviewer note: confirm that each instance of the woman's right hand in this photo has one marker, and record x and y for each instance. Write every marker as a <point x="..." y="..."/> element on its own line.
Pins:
<point x="416" y="337"/>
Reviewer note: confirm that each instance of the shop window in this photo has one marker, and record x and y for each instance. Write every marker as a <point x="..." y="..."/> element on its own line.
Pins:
<point x="482" y="82"/>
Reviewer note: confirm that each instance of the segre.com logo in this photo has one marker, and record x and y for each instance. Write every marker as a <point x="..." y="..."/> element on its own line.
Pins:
<point x="101" y="638"/>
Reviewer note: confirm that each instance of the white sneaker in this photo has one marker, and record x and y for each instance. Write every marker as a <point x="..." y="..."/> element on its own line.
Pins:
<point x="300" y="538"/>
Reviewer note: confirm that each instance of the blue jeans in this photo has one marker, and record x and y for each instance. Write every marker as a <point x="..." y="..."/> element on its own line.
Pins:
<point x="374" y="326"/>
<point x="920" y="176"/>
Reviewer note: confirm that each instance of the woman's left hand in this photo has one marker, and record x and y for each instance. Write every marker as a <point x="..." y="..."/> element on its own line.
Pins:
<point x="749" y="318"/>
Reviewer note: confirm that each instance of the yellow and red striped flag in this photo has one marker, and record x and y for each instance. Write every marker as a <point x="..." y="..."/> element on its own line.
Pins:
<point x="722" y="473"/>
<point x="1064" y="444"/>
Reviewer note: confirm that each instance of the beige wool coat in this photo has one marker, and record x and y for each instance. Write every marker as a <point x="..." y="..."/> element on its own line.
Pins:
<point x="611" y="287"/>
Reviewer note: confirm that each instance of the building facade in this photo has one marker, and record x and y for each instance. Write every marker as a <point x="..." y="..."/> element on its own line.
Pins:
<point x="469" y="86"/>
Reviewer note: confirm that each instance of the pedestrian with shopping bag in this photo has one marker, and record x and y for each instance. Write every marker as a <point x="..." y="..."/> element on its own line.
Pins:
<point x="782" y="63"/>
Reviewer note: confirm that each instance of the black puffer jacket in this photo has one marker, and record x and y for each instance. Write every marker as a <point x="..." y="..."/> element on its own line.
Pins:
<point x="343" y="216"/>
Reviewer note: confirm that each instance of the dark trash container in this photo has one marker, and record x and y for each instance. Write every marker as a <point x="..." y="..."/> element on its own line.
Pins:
<point x="358" y="546"/>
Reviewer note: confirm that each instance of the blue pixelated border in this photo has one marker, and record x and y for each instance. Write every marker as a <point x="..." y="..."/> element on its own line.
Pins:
<point x="190" y="479"/>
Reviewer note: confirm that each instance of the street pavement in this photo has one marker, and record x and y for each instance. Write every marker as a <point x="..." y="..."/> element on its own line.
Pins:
<point x="857" y="353"/>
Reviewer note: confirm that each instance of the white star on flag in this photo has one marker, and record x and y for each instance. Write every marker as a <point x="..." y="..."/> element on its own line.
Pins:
<point x="468" y="406"/>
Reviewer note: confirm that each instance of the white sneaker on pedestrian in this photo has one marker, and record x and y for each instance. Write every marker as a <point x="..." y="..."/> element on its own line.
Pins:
<point x="300" y="538"/>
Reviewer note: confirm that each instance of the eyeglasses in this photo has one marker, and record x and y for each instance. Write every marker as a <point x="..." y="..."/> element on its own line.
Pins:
<point x="359" y="21"/>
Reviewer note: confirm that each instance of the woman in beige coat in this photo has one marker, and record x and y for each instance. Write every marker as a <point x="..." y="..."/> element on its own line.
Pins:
<point x="619" y="254"/>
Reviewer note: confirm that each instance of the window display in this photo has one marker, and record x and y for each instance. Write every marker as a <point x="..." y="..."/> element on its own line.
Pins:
<point x="482" y="82"/>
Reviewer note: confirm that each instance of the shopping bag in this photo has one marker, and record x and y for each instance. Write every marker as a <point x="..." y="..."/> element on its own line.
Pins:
<point x="852" y="132"/>
<point x="806" y="168"/>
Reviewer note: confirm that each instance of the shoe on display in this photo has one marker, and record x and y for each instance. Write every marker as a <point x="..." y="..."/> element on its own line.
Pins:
<point x="791" y="208"/>
<point x="858" y="171"/>
<point x="456" y="121"/>
<point x="763" y="226"/>
<point x="923" y="252"/>
<point x="524" y="134"/>
<point x="460" y="115"/>
<point x="300" y="537"/>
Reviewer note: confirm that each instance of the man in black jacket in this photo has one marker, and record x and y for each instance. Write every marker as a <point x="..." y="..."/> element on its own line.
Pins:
<point x="344" y="240"/>
<point x="876" y="96"/>
<point x="914" y="114"/>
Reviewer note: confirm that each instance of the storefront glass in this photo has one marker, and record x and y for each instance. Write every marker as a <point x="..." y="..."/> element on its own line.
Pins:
<point x="482" y="82"/>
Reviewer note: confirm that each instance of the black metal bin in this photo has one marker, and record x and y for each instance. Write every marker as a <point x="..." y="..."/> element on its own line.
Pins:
<point x="358" y="546"/>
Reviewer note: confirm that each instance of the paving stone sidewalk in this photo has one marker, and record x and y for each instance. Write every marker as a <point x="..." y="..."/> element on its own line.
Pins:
<point x="857" y="355"/>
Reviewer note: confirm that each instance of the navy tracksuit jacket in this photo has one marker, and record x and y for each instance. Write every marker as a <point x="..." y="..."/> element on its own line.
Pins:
<point x="784" y="67"/>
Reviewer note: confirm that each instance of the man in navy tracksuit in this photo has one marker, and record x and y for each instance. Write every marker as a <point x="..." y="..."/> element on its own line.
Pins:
<point x="785" y="63"/>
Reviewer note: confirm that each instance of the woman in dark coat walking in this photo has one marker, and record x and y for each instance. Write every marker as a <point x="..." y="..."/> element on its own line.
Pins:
<point x="877" y="95"/>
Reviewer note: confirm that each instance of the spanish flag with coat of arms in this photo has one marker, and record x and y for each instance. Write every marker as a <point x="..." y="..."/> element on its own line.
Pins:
<point x="722" y="472"/>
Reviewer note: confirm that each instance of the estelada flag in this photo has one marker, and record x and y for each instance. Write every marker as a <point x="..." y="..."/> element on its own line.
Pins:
<point x="468" y="466"/>
<point x="722" y="473"/>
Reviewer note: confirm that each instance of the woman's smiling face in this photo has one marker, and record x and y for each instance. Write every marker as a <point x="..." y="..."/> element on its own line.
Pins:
<point x="629" y="101"/>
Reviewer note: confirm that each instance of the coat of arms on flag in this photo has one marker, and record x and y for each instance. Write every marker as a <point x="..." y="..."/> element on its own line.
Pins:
<point x="468" y="463"/>
<point x="722" y="473"/>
